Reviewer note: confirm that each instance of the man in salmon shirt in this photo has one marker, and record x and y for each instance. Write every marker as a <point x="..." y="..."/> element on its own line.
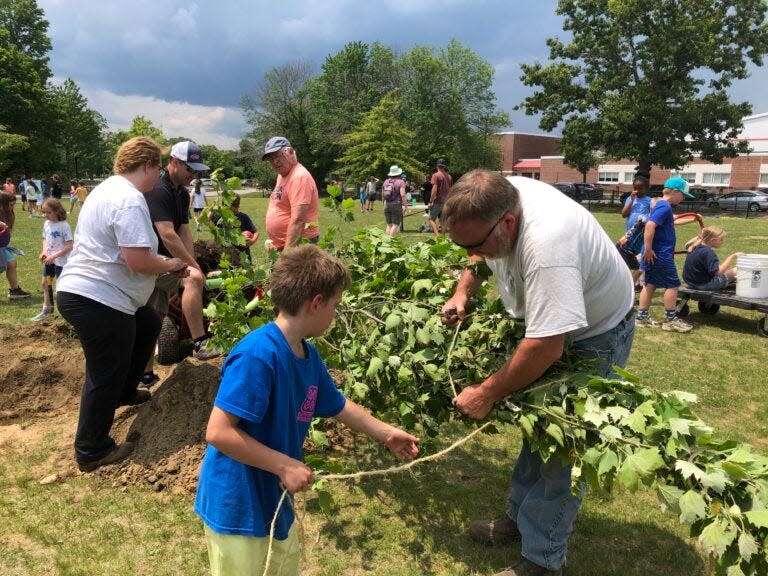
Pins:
<point x="293" y="206"/>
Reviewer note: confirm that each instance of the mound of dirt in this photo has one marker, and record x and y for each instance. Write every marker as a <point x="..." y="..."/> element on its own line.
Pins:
<point x="169" y="430"/>
<point x="42" y="371"/>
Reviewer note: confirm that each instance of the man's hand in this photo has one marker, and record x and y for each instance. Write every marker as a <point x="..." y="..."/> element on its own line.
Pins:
<point x="402" y="444"/>
<point x="296" y="477"/>
<point x="474" y="402"/>
<point x="454" y="309"/>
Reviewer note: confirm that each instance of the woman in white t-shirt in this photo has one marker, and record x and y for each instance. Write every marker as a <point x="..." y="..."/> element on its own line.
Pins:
<point x="103" y="292"/>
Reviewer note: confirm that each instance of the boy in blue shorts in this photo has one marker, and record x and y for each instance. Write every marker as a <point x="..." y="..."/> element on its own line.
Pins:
<point x="273" y="383"/>
<point x="657" y="259"/>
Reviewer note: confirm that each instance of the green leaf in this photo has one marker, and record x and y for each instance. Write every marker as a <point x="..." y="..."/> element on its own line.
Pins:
<point x="692" y="507"/>
<point x="689" y="469"/>
<point x="716" y="480"/>
<point x="556" y="432"/>
<point x="610" y="432"/>
<point x="758" y="518"/>
<point x="423" y="336"/>
<point x="685" y="397"/>
<point x="628" y="476"/>
<point x="635" y="422"/>
<point x="747" y="546"/>
<point x="608" y="462"/>
<point x="679" y="426"/>
<point x="735" y="471"/>
<point x="394" y="361"/>
<point x="669" y="497"/>
<point x="734" y="570"/>
<point x="374" y="367"/>
<point x="361" y="389"/>
<point x="717" y="537"/>
<point x="393" y="322"/>
<point x="626" y="375"/>
<point x="319" y="438"/>
<point x="325" y="500"/>
<point x="348" y="203"/>
<point x="424" y="284"/>
<point x="526" y="425"/>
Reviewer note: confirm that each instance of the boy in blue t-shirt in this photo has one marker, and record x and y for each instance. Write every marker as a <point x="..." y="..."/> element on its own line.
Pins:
<point x="657" y="259"/>
<point x="273" y="383"/>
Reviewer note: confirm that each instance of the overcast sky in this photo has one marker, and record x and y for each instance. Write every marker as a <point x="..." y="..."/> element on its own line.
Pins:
<point x="185" y="65"/>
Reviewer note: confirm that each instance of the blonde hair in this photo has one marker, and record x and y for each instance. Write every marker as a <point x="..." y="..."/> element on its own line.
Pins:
<point x="706" y="236"/>
<point x="302" y="273"/>
<point x="136" y="152"/>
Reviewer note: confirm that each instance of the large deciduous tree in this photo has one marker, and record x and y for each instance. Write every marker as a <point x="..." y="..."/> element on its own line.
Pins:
<point x="648" y="79"/>
<point x="281" y="107"/>
<point x="24" y="105"/>
<point x="379" y="141"/>
<point x="80" y="132"/>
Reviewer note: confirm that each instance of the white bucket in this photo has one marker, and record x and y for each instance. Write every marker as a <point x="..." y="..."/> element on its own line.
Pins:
<point x="752" y="276"/>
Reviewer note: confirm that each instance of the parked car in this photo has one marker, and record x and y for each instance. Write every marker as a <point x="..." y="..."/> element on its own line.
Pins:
<point x="744" y="200"/>
<point x="571" y="190"/>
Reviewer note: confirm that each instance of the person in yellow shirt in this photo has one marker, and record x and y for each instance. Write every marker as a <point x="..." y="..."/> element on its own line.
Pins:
<point x="79" y="196"/>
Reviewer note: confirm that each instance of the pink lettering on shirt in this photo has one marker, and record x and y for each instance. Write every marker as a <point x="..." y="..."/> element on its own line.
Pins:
<point x="308" y="406"/>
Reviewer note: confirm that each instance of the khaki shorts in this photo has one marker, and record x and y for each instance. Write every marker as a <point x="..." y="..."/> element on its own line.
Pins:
<point x="235" y="555"/>
<point x="166" y="285"/>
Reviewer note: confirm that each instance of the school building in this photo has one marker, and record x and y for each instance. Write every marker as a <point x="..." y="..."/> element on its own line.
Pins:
<point x="538" y="156"/>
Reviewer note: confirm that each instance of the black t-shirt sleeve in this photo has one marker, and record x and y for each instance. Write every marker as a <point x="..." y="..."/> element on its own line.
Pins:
<point x="161" y="203"/>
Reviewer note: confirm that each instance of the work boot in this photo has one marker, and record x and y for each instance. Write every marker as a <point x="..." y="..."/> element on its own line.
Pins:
<point x="527" y="568"/>
<point x="120" y="452"/>
<point x="496" y="532"/>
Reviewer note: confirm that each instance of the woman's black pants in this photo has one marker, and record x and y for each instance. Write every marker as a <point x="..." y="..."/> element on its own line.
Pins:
<point x="117" y="347"/>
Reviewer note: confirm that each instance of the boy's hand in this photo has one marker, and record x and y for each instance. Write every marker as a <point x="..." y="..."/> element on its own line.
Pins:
<point x="49" y="260"/>
<point x="401" y="444"/>
<point x="297" y="477"/>
<point x="649" y="256"/>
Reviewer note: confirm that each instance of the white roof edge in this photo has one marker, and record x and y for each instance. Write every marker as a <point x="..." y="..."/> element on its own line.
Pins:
<point x="527" y="134"/>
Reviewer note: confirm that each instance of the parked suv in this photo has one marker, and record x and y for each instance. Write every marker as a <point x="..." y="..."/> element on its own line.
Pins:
<point x="580" y="190"/>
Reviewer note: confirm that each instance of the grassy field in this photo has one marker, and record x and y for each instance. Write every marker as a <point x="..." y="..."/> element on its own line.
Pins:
<point x="400" y="525"/>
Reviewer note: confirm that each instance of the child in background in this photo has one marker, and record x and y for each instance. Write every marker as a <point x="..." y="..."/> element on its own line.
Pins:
<point x="702" y="270"/>
<point x="57" y="244"/>
<point x="79" y="197"/>
<point x="273" y="383"/>
<point x="199" y="201"/>
<point x="657" y="259"/>
<point x="362" y="197"/>
<point x="32" y="193"/>
<point x="247" y="227"/>
<point x="7" y="258"/>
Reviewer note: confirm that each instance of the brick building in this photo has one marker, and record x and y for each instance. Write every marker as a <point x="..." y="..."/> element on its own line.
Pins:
<point x="537" y="156"/>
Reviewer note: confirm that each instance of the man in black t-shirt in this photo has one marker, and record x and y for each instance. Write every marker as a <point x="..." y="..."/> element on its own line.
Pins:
<point x="169" y="208"/>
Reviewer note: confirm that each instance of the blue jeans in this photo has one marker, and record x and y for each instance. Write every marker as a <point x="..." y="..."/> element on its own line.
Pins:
<point x="541" y="502"/>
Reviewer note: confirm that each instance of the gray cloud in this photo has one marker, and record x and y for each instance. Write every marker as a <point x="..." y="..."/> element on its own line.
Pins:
<point x="208" y="54"/>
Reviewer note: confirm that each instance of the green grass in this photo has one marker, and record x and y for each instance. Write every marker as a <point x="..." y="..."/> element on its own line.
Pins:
<point x="404" y="525"/>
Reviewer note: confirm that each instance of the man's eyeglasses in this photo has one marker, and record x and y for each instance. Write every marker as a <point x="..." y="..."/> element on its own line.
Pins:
<point x="485" y="238"/>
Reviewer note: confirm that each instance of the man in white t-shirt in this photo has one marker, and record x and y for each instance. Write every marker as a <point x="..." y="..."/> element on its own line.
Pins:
<point x="558" y="270"/>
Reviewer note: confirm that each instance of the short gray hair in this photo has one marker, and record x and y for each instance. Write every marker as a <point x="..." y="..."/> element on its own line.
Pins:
<point x="480" y="195"/>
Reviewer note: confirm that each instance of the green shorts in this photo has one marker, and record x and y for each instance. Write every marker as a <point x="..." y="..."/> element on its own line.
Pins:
<point x="166" y="285"/>
<point x="234" y="555"/>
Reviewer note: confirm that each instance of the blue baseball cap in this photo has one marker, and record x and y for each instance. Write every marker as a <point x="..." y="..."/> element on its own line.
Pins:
<point x="677" y="183"/>
<point x="274" y="144"/>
